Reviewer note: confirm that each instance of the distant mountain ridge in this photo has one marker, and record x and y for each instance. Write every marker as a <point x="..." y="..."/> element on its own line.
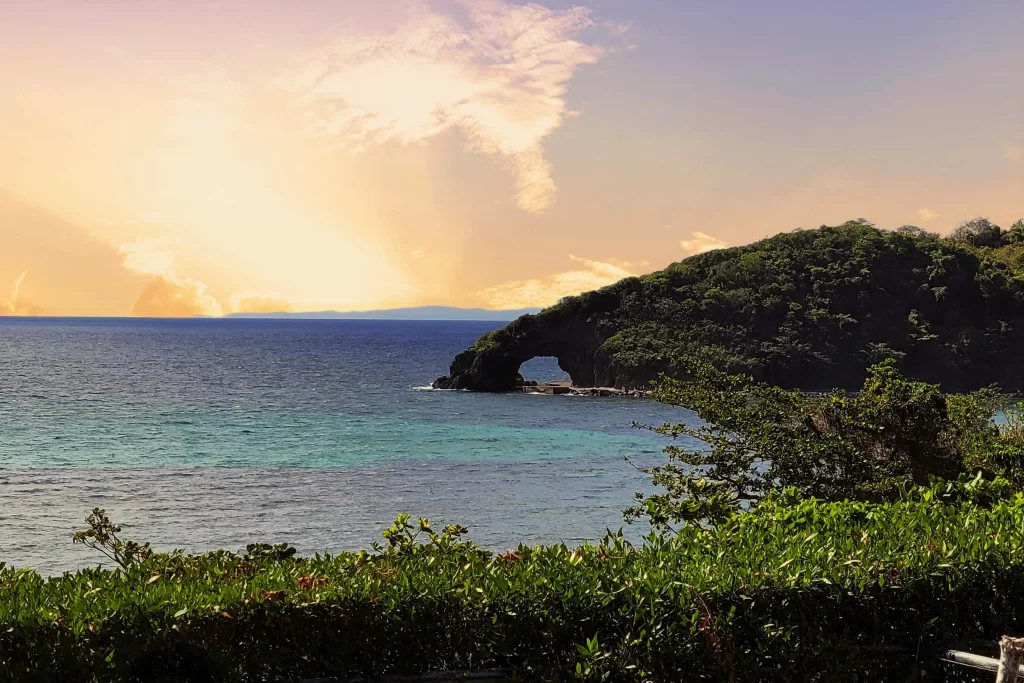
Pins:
<point x="411" y="313"/>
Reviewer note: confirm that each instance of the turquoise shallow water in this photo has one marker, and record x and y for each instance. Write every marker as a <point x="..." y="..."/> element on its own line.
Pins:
<point x="214" y="433"/>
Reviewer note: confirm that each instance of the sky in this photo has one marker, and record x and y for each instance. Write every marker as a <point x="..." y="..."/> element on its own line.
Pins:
<point x="204" y="157"/>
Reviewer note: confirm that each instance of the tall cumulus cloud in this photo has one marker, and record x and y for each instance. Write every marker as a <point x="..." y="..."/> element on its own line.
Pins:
<point x="166" y="295"/>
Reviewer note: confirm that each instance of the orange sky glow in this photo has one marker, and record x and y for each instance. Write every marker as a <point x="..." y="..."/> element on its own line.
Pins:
<point x="209" y="157"/>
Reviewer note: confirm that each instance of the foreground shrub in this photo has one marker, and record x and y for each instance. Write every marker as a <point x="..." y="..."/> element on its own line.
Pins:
<point x="755" y="438"/>
<point x="797" y="590"/>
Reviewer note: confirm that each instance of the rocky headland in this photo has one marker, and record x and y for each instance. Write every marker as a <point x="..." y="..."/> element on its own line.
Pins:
<point x="809" y="309"/>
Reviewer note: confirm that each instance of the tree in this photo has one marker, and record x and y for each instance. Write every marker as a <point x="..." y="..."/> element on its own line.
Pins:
<point x="915" y="232"/>
<point x="755" y="439"/>
<point x="1015" y="235"/>
<point x="979" y="232"/>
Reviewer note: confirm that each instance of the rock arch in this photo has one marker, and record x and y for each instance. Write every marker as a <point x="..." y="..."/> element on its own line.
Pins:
<point x="493" y="364"/>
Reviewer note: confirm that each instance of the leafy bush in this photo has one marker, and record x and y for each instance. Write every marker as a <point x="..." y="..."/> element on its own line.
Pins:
<point x="796" y="590"/>
<point x="757" y="438"/>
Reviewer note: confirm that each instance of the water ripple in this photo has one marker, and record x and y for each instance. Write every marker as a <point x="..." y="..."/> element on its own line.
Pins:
<point x="206" y="434"/>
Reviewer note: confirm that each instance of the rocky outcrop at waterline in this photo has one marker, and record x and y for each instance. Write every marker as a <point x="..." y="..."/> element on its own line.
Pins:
<point x="576" y="333"/>
<point x="492" y="364"/>
<point x="808" y="310"/>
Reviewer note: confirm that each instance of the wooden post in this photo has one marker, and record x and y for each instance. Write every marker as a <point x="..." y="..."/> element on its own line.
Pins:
<point x="1010" y="652"/>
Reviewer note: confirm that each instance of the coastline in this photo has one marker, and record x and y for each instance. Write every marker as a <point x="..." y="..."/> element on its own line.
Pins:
<point x="569" y="389"/>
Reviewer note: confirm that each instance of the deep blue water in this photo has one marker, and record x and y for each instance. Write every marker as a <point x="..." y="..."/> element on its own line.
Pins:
<point x="200" y="434"/>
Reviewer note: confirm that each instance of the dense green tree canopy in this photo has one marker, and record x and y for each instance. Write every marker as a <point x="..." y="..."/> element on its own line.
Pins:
<point x="814" y="309"/>
<point x="755" y="439"/>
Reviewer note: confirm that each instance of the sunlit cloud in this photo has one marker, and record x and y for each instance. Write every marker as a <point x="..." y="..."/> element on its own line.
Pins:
<point x="145" y="257"/>
<point x="700" y="243"/>
<point x="167" y="295"/>
<point x="14" y="305"/>
<point x="639" y="266"/>
<point x="179" y="298"/>
<point x="540" y="292"/>
<point x="16" y="292"/>
<point x="499" y="75"/>
<point x="256" y="302"/>
<point x="590" y="275"/>
<point x="926" y="214"/>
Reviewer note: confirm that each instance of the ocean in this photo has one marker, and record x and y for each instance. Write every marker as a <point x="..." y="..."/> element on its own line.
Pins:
<point x="204" y="434"/>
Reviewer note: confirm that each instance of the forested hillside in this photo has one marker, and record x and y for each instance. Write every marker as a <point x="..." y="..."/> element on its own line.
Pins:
<point x="810" y="309"/>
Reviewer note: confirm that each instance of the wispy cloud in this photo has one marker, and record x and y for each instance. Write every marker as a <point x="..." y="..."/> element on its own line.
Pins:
<point x="546" y="291"/>
<point x="618" y="28"/>
<point x="167" y="295"/>
<point x="14" y="305"/>
<point x="926" y="214"/>
<point x="499" y="74"/>
<point x="16" y="292"/>
<point x="700" y="243"/>
<point x="587" y="276"/>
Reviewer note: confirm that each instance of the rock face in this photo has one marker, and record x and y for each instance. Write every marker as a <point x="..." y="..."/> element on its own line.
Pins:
<point x="577" y="332"/>
<point x="493" y="364"/>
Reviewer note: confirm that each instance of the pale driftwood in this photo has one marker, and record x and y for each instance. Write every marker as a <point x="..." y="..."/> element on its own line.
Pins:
<point x="1010" y="652"/>
<point x="969" y="659"/>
